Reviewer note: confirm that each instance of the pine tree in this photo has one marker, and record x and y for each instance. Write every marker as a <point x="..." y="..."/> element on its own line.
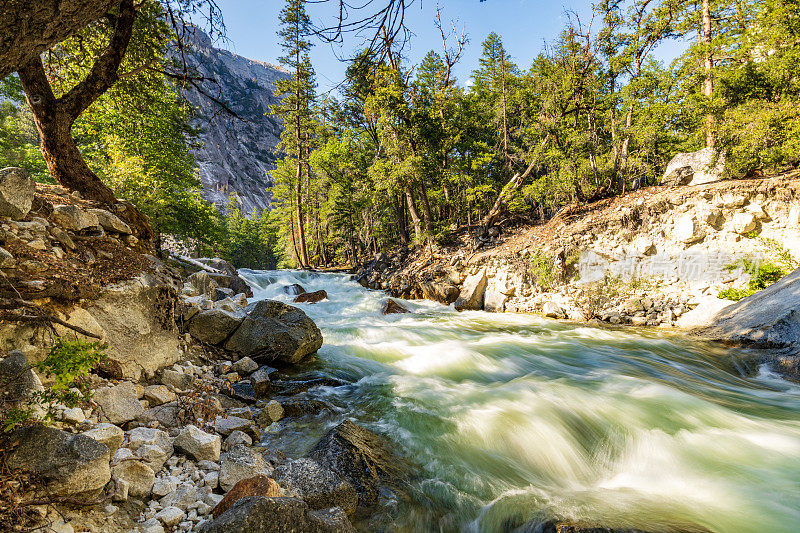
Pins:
<point x="295" y="109"/>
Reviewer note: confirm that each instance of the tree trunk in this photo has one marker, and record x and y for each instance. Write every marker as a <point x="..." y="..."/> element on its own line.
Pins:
<point x="513" y="184"/>
<point x="427" y="216"/>
<point x="400" y="215"/>
<point x="301" y="237"/>
<point x="415" y="218"/>
<point x="708" y="82"/>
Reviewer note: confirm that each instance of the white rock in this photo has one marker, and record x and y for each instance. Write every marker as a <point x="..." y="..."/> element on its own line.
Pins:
<point x="170" y="516"/>
<point x="74" y="415"/>
<point x="198" y="444"/>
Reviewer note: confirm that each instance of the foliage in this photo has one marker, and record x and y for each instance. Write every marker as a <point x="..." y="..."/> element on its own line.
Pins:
<point x="762" y="275"/>
<point x="67" y="364"/>
<point x="542" y="271"/>
<point x="19" y="143"/>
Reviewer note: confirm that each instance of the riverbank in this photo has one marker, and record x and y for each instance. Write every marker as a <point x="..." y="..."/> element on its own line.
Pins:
<point x="657" y="257"/>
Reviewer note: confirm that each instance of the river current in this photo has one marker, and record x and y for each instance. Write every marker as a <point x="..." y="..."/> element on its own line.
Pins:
<point x="508" y="419"/>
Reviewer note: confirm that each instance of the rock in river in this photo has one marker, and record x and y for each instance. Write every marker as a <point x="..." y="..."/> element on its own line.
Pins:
<point x="275" y="331"/>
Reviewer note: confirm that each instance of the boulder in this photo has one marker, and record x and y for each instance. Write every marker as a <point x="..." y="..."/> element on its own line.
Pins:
<point x="744" y="223"/>
<point x="17" y="379"/>
<point x="688" y="230"/>
<point x="110" y="222"/>
<point x="16" y="193"/>
<point x="389" y="307"/>
<point x="117" y="404"/>
<point x="311" y="297"/>
<point x="259" y="485"/>
<point x="359" y="456"/>
<point x="225" y="425"/>
<point x="260" y="381"/>
<point x="73" y="218"/>
<point x="215" y="325"/>
<point x="137" y="318"/>
<point x="170" y="516"/>
<point x="166" y="415"/>
<point x="275" y="331"/>
<point x="176" y="380"/>
<point x="260" y="514"/>
<point x="139" y="477"/>
<point x="445" y="293"/>
<point x="108" y="434"/>
<point x="333" y="520"/>
<point x="159" y="395"/>
<point x="245" y="366"/>
<point x="67" y="464"/>
<point x="198" y="444"/>
<point x="241" y="463"/>
<point x="553" y="310"/>
<point x="694" y="168"/>
<point x="317" y="485"/>
<point x="768" y="319"/>
<point x="236" y="437"/>
<point x="144" y="436"/>
<point x="294" y="289"/>
<point x="472" y="292"/>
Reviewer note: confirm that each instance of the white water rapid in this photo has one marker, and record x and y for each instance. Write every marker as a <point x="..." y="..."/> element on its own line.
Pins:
<point x="509" y="419"/>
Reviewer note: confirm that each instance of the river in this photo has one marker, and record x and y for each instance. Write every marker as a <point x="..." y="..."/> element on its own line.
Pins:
<point x="509" y="419"/>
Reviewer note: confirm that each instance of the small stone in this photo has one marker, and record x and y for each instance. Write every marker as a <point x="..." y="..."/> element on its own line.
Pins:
<point x="151" y="526"/>
<point x="139" y="476"/>
<point x="170" y="516"/>
<point x="74" y="415"/>
<point x="162" y="487"/>
<point x="159" y="395"/>
<point x="245" y="366"/>
<point x="198" y="444"/>
<point x="237" y="437"/>
<point x="108" y="434"/>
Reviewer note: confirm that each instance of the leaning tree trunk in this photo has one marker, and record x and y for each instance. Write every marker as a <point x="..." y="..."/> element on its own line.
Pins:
<point x="54" y="118"/>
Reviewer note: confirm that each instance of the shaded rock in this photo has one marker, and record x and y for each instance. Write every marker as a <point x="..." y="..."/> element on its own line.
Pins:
<point x="73" y="218"/>
<point x="204" y="283"/>
<point x="294" y="289"/>
<point x="472" y="292"/>
<point x="198" y="444"/>
<point x="110" y="222"/>
<point x="360" y="457"/>
<point x="215" y="325"/>
<point x="68" y="465"/>
<point x="275" y="331"/>
<point x="227" y="425"/>
<point x="694" y="168"/>
<point x="303" y="407"/>
<point x="389" y="306"/>
<point x="108" y="434"/>
<point x="236" y="437"/>
<point x="166" y="415"/>
<point x="260" y="381"/>
<point x="311" y="297"/>
<point x="144" y="436"/>
<point x="17" y="379"/>
<point x="259" y="485"/>
<point x="241" y="463"/>
<point x="175" y="379"/>
<point x="270" y="413"/>
<point x="317" y="485"/>
<point x="259" y="514"/>
<point x="118" y="404"/>
<point x="445" y="293"/>
<point x="332" y="520"/>
<point x="245" y="366"/>
<point x="16" y="193"/>
<point x="243" y="391"/>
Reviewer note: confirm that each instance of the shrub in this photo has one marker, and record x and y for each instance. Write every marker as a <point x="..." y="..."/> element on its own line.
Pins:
<point x="67" y="363"/>
<point x="762" y="275"/>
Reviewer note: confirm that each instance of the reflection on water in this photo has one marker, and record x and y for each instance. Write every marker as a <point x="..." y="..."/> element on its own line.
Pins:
<point x="511" y="418"/>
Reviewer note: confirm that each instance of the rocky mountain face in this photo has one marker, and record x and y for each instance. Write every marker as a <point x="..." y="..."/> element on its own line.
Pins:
<point x="235" y="154"/>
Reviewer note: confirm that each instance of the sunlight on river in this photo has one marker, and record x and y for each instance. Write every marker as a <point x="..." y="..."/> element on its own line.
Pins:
<point x="511" y="418"/>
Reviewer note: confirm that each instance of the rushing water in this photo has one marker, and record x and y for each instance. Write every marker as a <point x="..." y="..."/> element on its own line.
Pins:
<point x="511" y="418"/>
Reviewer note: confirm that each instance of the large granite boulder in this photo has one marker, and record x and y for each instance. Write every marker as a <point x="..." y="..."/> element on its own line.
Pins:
<point x="472" y="292"/>
<point x="275" y="331"/>
<point x="137" y="318"/>
<point x="318" y="486"/>
<point x="259" y="485"/>
<point x="68" y="465"/>
<point x="694" y="168"/>
<point x="769" y="318"/>
<point x="261" y="514"/>
<point x="16" y="193"/>
<point x="214" y="326"/>
<point x="360" y="457"/>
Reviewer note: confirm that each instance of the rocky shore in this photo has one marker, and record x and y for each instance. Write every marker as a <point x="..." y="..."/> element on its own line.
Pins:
<point x="170" y="440"/>
<point x="657" y="257"/>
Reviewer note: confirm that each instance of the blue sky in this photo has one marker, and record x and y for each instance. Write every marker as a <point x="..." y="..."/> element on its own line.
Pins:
<point x="524" y="25"/>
